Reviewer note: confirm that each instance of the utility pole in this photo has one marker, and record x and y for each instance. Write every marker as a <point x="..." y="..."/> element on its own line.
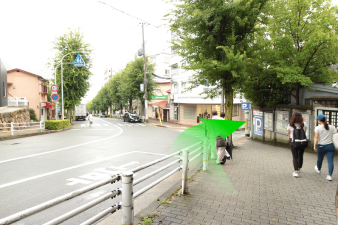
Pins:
<point x="145" y="77"/>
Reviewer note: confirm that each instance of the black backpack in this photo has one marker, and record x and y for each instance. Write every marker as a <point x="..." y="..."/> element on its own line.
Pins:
<point x="299" y="138"/>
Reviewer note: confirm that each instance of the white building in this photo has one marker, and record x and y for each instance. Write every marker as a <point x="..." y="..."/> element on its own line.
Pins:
<point x="108" y="73"/>
<point x="186" y="107"/>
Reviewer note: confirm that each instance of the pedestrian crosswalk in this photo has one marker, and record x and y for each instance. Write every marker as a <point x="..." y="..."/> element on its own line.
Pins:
<point x="109" y="125"/>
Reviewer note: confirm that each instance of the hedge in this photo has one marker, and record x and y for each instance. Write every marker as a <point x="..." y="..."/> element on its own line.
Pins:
<point x="57" y="124"/>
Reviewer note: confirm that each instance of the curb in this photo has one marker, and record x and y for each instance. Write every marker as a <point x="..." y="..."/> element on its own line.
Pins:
<point x="33" y="134"/>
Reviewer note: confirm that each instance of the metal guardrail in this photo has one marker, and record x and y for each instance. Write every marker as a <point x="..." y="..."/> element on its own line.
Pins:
<point x="16" y="127"/>
<point x="126" y="191"/>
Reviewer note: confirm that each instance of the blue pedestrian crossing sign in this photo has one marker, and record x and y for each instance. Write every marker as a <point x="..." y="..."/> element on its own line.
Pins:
<point x="245" y="106"/>
<point x="79" y="61"/>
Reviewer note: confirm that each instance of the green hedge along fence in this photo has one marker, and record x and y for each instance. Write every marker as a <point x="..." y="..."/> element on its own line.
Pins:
<point x="57" y="124"/>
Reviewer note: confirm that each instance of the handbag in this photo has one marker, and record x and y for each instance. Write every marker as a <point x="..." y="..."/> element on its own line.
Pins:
<point x="335" y="141"/>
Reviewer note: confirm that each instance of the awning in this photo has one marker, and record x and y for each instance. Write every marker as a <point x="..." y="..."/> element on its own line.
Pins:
<point x="168" y="91"/>
<point x="161" y="104"/>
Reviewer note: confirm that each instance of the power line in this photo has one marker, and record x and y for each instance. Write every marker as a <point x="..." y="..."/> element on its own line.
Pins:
<point x="125" y="13"/>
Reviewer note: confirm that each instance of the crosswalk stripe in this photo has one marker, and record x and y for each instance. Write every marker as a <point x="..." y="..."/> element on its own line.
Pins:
<point x="105" y="124"/>
<point x="83" y="125"/>
<point x="120" y="124"/>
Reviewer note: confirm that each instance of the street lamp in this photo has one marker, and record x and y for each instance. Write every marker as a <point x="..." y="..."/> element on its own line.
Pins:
<point x="63" y="116"/>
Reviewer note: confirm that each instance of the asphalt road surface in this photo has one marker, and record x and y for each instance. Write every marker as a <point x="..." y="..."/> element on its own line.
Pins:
<point x="40" y="168"/>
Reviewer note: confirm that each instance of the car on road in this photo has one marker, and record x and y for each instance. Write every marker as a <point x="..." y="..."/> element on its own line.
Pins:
<point x="131" y="117"/>
<point x="103" y="115"/>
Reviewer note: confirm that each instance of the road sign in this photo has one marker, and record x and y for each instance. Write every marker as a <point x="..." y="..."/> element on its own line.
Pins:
<point x="79" y="61"/>
<point x="245" y="106"/>
<point x="55" y="97"/>
<point x="54" y="88"/>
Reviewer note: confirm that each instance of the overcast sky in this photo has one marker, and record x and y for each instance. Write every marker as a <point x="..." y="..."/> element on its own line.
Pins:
<point x="28" y="28"/>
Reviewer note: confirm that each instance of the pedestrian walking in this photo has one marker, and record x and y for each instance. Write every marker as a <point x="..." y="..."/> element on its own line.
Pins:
<point x="323" y="145"/>
<point x="297" y="128"/>
<point x="90" y="118"/>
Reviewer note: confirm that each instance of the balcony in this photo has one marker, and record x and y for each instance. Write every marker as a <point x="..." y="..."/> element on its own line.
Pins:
<point x="17" y="101"/>
<point x="43" y="89"/>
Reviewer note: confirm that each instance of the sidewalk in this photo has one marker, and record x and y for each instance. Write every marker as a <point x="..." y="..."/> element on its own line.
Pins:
<point x="258" y="188"/>
<point x="168" y="124"/>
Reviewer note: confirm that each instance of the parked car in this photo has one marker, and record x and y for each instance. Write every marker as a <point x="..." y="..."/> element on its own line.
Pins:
<point x="131" y="117"/>
<point x="103" y="115"/>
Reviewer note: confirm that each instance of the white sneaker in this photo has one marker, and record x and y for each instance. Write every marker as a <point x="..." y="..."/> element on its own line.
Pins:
<point x="295" y="174"/>
<point x="329" y="178"/>
<point x="317" y="170"/>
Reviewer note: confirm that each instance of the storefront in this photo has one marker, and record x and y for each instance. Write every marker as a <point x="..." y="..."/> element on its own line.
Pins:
<point x="191" y="113"/>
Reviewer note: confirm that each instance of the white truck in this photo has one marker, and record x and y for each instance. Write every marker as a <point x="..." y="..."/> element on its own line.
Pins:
<point x="80" y="112"/>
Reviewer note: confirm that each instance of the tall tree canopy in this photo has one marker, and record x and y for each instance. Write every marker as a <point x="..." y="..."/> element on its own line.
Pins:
<point x="295" y="47"/>
<point x="75" y="79"/>
<point x="124" y="87"/>
<point x="212" y="37"/>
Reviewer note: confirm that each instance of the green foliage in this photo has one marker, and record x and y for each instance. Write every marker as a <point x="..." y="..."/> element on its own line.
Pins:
<point x="75" y="79"/>
<point x="124" y="87"/>
<point x="212" y="37"/>
<point x="292" y="48"/>
<point x="57" y="124"/>
<point x="32" y="115"/>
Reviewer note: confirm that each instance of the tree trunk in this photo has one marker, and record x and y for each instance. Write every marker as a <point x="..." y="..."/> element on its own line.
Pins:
<point x="297" y="94"/>
<point x="130" y="105"/>
<point x="68" y="113"/>
<point x="229" y="95"/>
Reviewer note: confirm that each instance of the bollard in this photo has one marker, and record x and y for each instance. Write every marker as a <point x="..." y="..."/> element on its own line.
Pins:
<point x="205" y="155"/>
<point x="12" y="128"/>
<point x="213" y="151"/>
<point x="40" y="124"/>
<point x="247" y="133"/>
<point x="185" y="171"/>
<point x="127" y="198"/>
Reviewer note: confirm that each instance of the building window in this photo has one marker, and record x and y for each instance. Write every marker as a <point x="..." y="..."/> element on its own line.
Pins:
<point x="307" y="102"/>
<point x="153" y="60"/>
<point x="4" y="88"/>
<point x="167" y="59"/>
<point x="167" y="72"/>
<point x="174" y="91"/>
<point x="235" y="109"/>
<point x="189" y="112"/>
<point x="183" y="87"/>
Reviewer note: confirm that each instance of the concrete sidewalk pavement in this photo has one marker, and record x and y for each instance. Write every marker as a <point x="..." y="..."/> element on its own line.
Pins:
<point x="258" y="188"/>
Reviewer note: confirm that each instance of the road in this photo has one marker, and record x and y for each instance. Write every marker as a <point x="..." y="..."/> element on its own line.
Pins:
<point x="37" y="169"/>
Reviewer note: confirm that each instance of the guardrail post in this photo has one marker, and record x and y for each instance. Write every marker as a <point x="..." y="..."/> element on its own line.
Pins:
<point x="12" y="128"/>
<point x="44" y="124"/>
<point x="185" y="171"/>
<point x="127" y="198"/>
<point x="213" y="151"/>
<point x="205" y="155"/>
<point x="40" y="124"/>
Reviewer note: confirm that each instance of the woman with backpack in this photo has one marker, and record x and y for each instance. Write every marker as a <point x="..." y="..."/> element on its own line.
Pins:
<point x="323" y="144"/>
<point x="298" y="143"/>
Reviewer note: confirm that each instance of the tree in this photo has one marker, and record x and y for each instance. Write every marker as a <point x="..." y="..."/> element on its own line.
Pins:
<point x="75" y="79"/>
<point x="132" y="77"/>
<point x="298" y="44"/>
<point x="212" y="37"/>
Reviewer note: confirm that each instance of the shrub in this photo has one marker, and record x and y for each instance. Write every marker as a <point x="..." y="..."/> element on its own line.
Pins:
<point x="57" y="124"/>
<point x="32" y="115"/>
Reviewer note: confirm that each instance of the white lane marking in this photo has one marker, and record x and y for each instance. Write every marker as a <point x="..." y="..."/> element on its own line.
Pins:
<point x="105" y="124"/>
<point x="150" y="153"/>
<point x="62" y="170"/>
<point x="61" y="149"/>
<point x="93" y="129"/>
<point x="98" y="174"/>
<point x="142" y="125"/>
<point x="83" y="125"/>
<point x="120" y="124"/>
